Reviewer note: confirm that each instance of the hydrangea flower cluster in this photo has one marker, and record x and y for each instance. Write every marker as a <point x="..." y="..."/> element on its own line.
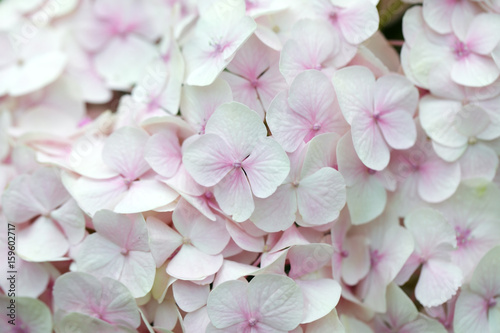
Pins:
<point x="249" y="166"/>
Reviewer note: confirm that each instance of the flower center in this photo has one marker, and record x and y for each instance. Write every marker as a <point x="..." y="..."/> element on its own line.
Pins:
<point x="371" y="171"/>
<point x="124" y="251"/>
<point x="375" y="257"/>
<point x="472" y="140"/>
<point x="252" y="322"/>
<point x="295" y="183"/>
<point x="186" y="241"/>
<point x="462" y="235"/>
<point x="237" y="164"/>
<point x="316" y="127"/>
<point x="461" y="50"/>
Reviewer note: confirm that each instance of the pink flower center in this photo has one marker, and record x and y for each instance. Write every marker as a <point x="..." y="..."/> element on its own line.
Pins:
<point x="252" y="322"/>
<point x="491" y="302"/>
<point x="124" y="251"/>
<point x="237" y="164"/>
<point x="316" y="127"/>
<point x="344" y="253"/>
<point x="295" y="183"/>
<point x="254" y="83"/>
<point x="375" y="257"/>
<point x="371" y="171"/>
<point x="463" y="236"/>
<point x="250" y="4"/>
<point x="461" y="50"/>
<point x="332" y="17"/>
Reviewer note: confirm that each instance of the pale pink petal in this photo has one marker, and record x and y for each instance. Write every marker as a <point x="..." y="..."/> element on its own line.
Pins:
<point x="93" y="195"/>
<point x="113" y="63"/>
<point x="440" y="126"/>
<point x="278" y="300"/>
<point x="18" y="202"/>
<point x="437" y="15"/>
<point x="398" y="129"/>
<point x="144" y="195"/>
<point x="199" y="103"/>
<point x="400" y="308"/>
<point x="485" y="280"/>
<point x="243" y="239"/>
<point x="234" y="195"/>
<point x="208" y="159"/>
<point x="300" y="256"/>
<point x="479" y="161"/>
<point x="289" y="127"/>
<point x="388" y="97"/>
<point x="109" y="299"/>
<point x="228" y="304"/>
<point x="438" y="180"/>
<point x="320" y="297"/>
<point x="244" y="92"/>
<point x="70" y="218"/>
<point x="439" y="281"/>
<point x="321" y="196"/>
<point x="48" y="189"/>
<point x="475" y="70"/>
<point x="189" y="296"/>
<point x="124" y="152"/>
<point x="100" y="257"/>
<point x="358" y="21"/>
<point x="470" y="313"/>
<point x="266" y="167"/>
<point x="276" y="212"/>
<point x="366" y="200"/>
<point x="126" y="231"/>
<point x="312" y="46"/>
<point x="354" y="87"/>
<point x="42" y="241"/>
<point x="163" y="240"/>
<point x="197" y="321"/>
<point x="369" y="143"/>
<point x="471" y="120"/>
<point x="163" y="153"/>
<point x="479" y="39"/>
<point x="432" y="233"/>
<point x="240" y="127"/>
<point x="192" y="264"/>
<point x="208" y="236"/>
<point x="271" y="83"/>
<point x="138" y="273"/>
<point x="357" y="263"/>
<point x="91" y="324"/>
<point x="36" y="73"/>
<point x="424" y="324"/>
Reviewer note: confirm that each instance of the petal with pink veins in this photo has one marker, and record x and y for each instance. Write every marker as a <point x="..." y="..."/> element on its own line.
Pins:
<point x="354" y="87"/>
<point x="208" y="159"/>
<point x="321" y="196"/>
<point x="266" y="167"/>
<point x="106" y="299"/>
<point x="438" y="282"/>
<point x="234" y="195"/>
<point x="276" y="212"/>
<point x="163" y="153"/>
<point x="144" y="195"/>
<point x="193" y="264"/>
<point x="320" y="297"/>
<point x="369" y="142"/>
<point x="124" y="152"/>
